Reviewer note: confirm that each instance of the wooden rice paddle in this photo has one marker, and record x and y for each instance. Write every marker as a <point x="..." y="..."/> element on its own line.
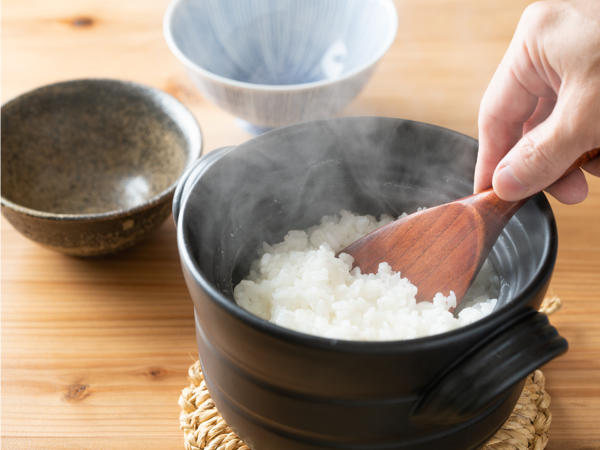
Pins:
<point x="441" y="249"/>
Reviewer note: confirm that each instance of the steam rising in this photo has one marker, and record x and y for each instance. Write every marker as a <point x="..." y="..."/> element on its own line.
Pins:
<point x="290" y="178"/>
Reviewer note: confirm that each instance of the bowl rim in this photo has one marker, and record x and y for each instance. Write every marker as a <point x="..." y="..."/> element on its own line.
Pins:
<point x="540" y="278"/>
<point x="193" y="151"/>
<point x="191" y="65"/>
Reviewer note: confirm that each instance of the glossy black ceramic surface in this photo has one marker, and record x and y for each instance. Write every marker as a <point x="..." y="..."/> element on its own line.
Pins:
<point x="281" y="389"/>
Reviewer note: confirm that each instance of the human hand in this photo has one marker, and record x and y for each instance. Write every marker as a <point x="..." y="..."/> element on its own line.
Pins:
<point x="541" y="111"/>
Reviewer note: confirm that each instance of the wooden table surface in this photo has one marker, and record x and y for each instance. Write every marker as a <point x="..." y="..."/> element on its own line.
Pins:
<point x="95" y="351"/>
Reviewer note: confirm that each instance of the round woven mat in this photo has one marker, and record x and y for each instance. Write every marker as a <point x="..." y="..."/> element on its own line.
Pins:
<point x="526" y="428"/>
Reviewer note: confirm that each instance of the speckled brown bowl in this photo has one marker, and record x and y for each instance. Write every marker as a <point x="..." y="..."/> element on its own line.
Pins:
<point x="89" y="166"/>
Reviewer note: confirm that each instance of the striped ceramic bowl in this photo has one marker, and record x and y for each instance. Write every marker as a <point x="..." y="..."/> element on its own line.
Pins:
<point x="273" y="63"/>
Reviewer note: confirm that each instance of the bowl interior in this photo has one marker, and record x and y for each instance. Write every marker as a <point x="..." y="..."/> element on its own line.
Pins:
<point x="283" y="42"/>
<point x="289" y="178"/>
<point x="92" y="146"/>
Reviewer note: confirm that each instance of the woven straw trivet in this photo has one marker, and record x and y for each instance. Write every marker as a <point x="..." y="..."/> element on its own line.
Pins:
<point x="526" y="428"/>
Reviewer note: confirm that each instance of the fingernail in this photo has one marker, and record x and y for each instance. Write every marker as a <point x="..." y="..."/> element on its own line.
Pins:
<point x="507" y="182"/>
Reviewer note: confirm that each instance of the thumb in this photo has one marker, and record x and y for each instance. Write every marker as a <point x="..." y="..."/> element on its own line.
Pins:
<point x="543" y="154"/>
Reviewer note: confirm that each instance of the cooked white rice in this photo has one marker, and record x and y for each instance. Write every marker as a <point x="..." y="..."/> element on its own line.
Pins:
<point x="300" y="284"/>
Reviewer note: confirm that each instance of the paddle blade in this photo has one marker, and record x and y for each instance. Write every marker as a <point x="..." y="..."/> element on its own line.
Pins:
<point x="438" y="249"/>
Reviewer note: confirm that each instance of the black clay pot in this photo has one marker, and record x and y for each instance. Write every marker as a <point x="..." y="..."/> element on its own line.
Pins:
<point x="280" y="389"/>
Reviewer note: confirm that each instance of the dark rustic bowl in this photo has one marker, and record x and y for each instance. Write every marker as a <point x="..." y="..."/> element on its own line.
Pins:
<point x="281" y="389"/>
<point x="89" y="167"/>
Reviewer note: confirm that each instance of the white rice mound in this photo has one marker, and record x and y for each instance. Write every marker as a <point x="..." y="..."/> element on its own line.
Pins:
<point x="300" y="284"/>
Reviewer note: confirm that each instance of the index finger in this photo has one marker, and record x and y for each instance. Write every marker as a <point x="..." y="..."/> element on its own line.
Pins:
<point x="509" y="101"/>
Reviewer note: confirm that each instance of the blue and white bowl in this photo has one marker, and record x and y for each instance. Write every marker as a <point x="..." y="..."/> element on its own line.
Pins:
<point x="276" y="62"/>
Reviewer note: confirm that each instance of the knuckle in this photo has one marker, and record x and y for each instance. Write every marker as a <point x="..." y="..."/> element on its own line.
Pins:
<point x="540" y="14"/>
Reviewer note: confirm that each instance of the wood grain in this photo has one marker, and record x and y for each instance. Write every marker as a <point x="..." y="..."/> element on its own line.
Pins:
<point x="95" y="352"/>
<point x="439" y="249"/>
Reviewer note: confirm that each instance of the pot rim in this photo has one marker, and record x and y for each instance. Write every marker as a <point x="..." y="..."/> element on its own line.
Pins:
<point x="539" y="280"/>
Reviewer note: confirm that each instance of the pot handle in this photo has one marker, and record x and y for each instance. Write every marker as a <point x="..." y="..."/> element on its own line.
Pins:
<point x="189" y="177"/>
<point x="479" y="379"/>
